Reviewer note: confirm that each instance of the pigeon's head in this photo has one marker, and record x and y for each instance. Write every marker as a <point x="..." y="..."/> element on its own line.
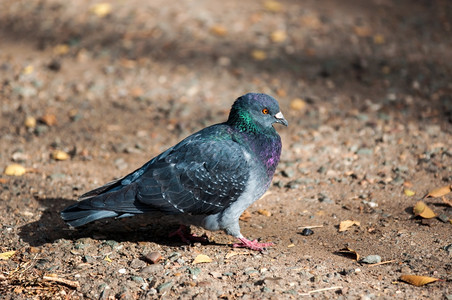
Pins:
<point x="255" y="111"/>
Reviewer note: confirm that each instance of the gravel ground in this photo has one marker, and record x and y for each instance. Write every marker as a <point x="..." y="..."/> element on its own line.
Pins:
<point x="90" y="92"/>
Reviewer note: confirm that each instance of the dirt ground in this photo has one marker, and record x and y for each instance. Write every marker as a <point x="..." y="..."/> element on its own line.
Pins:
<point x="365" y="85"/>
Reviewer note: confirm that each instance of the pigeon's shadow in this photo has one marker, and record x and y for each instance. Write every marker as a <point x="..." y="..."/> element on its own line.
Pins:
<point x="50" y="227"/>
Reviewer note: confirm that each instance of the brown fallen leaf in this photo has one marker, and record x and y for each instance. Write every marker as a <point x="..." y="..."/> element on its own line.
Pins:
<point x="362" y="31"/>
<point x="28" y="70"/>
<point x="48" y="119"/>
<point x="297" y="104"/>
<point x="15" y="170"/>
<point x="258" y="55"/>
<point x="278" y="36"/>
<point x="7" y="255"/>
<point x="409" y="192"/>
<point x="202" y="258"/>
<point x="59" y="155"/>
<point x="345" y="225"/>
<point x="379" y="39"/>
<point x="219" y="30"/>
<point x="264" y="212"/>
<point x="246" y="216"/>
<point x="350" y="253"/>
<point x="447" y="201"/>
<point x="101" y="9"/>
<point x="421" y="209"/>
<point x="61" y="49"/>
<point x="30" y="122"/>
<point x="418" y="280"/>
<point x="439" y="192"/>
<point x="273" y="6"/>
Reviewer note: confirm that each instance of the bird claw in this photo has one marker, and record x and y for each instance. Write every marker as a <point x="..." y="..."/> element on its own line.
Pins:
<point x="253" y="245"/>
<point x="187" y="237"/>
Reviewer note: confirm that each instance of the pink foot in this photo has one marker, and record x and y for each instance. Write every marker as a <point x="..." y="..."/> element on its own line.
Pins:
<point x="253" y="245"/>
<point x="184" y="234"/>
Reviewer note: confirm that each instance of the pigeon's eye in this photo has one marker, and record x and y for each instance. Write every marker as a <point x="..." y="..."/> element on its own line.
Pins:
<point x="265" y="111"/>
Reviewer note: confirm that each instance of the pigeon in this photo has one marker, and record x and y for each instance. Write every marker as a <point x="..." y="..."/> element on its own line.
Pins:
<point x="206" y="180"/>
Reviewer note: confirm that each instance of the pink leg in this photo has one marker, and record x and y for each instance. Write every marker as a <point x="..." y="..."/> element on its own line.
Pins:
<point x="184" y="234"/>
<point x="253" y="245"/>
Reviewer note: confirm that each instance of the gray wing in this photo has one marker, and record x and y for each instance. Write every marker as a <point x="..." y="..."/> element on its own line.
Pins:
<point x="196" y="177"/>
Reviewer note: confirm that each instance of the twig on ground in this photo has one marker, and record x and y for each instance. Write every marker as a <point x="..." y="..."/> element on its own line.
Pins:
<point x="382" y="263"/>
<point x="309" y="227"/>
<point x="321" y="290"/>
<point x="70" y="283"/>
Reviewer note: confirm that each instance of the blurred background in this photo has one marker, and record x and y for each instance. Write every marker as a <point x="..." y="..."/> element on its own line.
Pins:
<point x="90" y="90"/>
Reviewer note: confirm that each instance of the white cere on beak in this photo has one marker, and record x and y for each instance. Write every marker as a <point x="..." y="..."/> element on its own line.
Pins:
<point x="279" y="115"/>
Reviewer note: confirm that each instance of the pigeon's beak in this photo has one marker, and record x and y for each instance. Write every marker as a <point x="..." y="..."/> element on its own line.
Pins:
<point x="280" y="119"/>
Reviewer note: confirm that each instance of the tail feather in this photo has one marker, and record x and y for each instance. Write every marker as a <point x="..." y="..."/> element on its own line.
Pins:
<point x="76" y="216"/>
<point x="100" y="204"/>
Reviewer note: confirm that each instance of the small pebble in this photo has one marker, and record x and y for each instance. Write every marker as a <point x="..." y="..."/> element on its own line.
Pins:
<point x="151" y="269"/>
<point x="443" y="218"/>
<point x="194" y="271"/>
<point x="307" y="232"/>
<point x="324" y="198"/>
<point x="122" y="271"/>
<point x="164" y="286"/>
<point x="137" y="264"/>
<point x="152" y="257"/>
<point x="138" y="279"/>
<point x="371" y="259"/>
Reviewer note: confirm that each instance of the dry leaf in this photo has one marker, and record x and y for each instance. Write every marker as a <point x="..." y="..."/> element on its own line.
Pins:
<point x="137" y="92"/>
<point x="258" y="54"/>
<point x="362" y="31"/>
<point x="297" y="104"/>
<point x="264" y="212"/>
<point x="349" y="253"/>
<point x="15" y="170"/>
<point x="6" y="255"/>
<point x="278" y="36"/>
<point x="439" y="192"/>
<point x="101" y="9"/>
<point x="59" y="155"/>
<point x="246" y="216"/>
<point x="219" y="30"/>
<point x="28" y="70"/>
<point x="61" y="49"/>
<point x="379" y="39"/>
<point x="345" y="225"/>
<point x="48" y="119"/>
<point x="386" y="70"/>
<point x="447" y="201"/>
<point x="273" y="6"/>
<point x="418" y="280"/>
<point x="409" y="192"/>
<point x="128" y="63"/>
<point x="311" y="21"/>
<point x="421" y="209"/>
<point x="202" y="258"/>
<point x="234" y="253"/>
<point x="231" y="254"/>
<point x="30" y="122"/>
